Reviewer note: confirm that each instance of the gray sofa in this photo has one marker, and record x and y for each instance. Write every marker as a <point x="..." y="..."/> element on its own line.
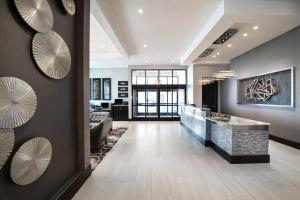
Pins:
<point x="99" y="134"/>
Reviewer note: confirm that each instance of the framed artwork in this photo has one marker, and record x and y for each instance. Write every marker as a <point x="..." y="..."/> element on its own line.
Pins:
<point x="123" y="89"/>
<point x="271" y="89"/>
<point x="106" y="88"/>
<point x="123" y="95"/>
<point x="122" y="83"/>
<point x="95" y="84"/>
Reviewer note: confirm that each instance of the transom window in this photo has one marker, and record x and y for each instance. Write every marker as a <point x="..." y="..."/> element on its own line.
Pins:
<point x="159" y="77"/>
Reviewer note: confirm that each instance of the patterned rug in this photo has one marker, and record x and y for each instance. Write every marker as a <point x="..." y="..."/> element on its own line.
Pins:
<point x="112" y="139"/>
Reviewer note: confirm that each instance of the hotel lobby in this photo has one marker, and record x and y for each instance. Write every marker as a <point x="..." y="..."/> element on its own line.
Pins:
<point x="149" y="100"/>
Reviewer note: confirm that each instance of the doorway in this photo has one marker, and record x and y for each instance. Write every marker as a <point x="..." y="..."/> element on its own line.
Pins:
<point x="210" y="96"/>
<point x="158" y="94"/>
<point x="160" y="104"/>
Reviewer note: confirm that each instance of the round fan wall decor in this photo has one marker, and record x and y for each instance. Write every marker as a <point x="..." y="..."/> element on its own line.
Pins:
<point x="18" y="102"/>
<point x="31" y="161"/>
<point x="51" y="54"/>
<point x="7" y="141"/>
<point x="69" y="6"/>
<point x="36" y="13"/>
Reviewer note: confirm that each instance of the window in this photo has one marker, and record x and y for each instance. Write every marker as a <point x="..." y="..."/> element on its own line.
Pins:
<point x="165" y="77"/>
<point x="179" y="77"/>
<point x="151" y="77"/>
<point x="138" y="77"/>
<point x="161" y="77"/>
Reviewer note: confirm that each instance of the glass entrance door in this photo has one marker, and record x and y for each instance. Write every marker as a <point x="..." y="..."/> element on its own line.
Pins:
<point x="145" y="103"/>
<point x="157" y="103"/>
<point x="165" y="106"/>
<point x="152" y="105"/>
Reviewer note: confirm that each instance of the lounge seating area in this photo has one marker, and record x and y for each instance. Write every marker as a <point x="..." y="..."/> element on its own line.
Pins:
<point x="99" y="134"/>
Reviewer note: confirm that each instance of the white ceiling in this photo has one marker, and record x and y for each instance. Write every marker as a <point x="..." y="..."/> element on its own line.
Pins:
<point x="101" y="46"/>
<point x="240" y="44"/>
<point x="178" y="31"/>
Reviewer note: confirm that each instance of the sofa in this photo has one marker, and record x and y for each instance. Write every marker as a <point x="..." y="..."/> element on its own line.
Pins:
<point x="99" y="134"/>
<point x="98" y="116"/>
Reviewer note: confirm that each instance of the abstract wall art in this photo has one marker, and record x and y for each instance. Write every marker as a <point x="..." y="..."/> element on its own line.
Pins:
<point x="7" y="141"/>
<point x="69" y="6"/>
<point x="271" y="89"/>
<point x="36" y="13"/>
<point x="31" y="161"/>
<point x="260" y="90"/>
<point x="51" y="54"/>
<point x="18" y="102"/>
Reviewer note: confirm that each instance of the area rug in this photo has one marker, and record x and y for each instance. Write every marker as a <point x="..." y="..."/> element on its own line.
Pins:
<point x="112" y="139"/>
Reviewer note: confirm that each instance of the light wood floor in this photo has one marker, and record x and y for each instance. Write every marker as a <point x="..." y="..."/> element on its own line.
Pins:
<point x="161" y="161"/>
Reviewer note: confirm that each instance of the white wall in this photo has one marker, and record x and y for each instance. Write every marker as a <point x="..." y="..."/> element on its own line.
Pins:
<point x="118" y="74"/>
<point x="190" y="85"/>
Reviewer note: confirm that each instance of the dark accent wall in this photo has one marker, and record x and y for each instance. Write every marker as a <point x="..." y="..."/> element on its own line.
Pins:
<point x="59" y="107"/>
<point x="277" y="54"/>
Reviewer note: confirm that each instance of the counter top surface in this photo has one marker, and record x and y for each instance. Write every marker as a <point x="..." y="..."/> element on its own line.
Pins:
<point x="237" y="121"/>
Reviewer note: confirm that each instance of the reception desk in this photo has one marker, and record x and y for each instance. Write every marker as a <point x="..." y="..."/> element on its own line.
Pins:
<point x="238" y="140"/>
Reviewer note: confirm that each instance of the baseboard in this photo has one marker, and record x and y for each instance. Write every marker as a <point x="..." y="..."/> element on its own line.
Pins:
<point x="290" y="143"/>
<point x="70" y="188"/>
<point x="241" y="159"/>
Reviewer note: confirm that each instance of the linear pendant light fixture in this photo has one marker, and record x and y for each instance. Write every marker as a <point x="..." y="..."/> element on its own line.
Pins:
<point x="219" y="76"/>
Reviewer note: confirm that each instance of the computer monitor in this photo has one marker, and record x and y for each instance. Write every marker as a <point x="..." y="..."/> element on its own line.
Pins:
<point x="118" y="101"/>
<point x="104" y="105"/>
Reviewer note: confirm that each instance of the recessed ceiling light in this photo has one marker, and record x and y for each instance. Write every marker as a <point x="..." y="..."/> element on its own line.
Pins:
<point x="173" y="61"/>
<point x="229" y="45"/>
<point x="214" y="56"/>
<point x="145" y="45"/>
<point x="146" y="61"/>
<point x="102" y="46"/>
<point x="245" y="34"/>
<point x="218" y="53"/>
<point x="141" y="11"/>
<point x="255" y="27"/>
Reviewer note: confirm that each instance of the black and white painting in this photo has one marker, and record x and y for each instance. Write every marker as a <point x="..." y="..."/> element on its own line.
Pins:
<point x="95" y="85"/>
<point x="122" y="83"/>
<point x="123" y="95"/>
<point x="106" y="84"/>
<point x="123" y="89"/>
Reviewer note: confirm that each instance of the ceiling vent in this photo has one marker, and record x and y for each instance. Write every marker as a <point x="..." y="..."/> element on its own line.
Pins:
<point x="226" y="36"/>
<point x="206" y="53"/>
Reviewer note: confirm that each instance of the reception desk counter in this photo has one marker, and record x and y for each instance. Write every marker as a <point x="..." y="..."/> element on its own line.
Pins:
<point x="238" y="140"/>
